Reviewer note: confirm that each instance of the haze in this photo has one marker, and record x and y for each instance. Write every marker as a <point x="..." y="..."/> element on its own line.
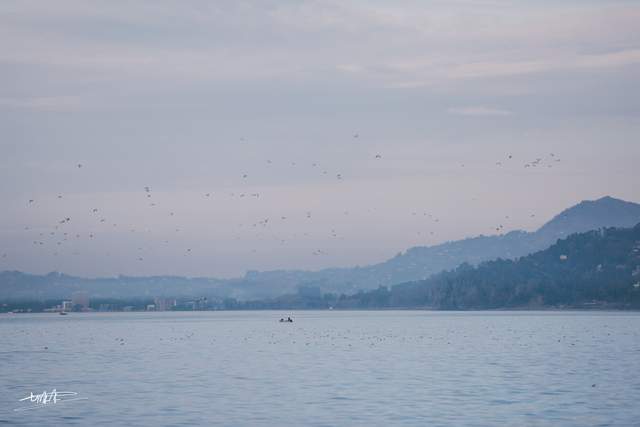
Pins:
<point x="324" y="133"/>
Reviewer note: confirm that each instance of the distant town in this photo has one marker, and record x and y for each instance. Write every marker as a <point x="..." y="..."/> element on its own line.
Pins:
<point x="80" y="302"/>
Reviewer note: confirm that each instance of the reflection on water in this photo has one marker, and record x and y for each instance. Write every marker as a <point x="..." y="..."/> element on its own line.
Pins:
<point x="326" y="368"/>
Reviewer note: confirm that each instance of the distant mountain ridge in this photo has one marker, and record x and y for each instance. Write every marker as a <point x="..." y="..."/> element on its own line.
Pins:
<point x="417" y="263"/>
<point x="591" y="215"/>
<point x="420" y="262"/>
<point x="594" y="269"/>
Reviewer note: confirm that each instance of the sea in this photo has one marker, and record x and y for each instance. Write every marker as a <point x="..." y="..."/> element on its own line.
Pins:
<point x="326" y="368"/>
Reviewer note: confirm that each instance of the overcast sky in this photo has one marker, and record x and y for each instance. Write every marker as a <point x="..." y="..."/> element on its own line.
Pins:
<point x="326" y="133"/>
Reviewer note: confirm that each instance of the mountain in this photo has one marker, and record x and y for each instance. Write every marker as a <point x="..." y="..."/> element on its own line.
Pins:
<point x="417" y="263"/>
<point x="421" y="262"/>
<point x="18" y="286"/>
<point x="591" y="215"/>
<point x="594" y="269"/>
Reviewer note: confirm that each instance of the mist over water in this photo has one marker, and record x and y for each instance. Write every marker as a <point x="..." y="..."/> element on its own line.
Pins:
<point x="327" y="368"/>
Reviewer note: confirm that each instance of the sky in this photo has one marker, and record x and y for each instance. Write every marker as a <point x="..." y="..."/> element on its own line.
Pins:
<point x="208" y="138"/>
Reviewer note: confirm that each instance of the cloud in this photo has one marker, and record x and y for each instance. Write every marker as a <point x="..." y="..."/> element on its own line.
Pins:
<point x="479" y="110"/>
<point x="43" y="103"/>
<point x="556" y="63"/>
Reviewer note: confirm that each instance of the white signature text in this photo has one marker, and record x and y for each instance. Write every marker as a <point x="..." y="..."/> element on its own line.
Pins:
<point x="48" y="398"/>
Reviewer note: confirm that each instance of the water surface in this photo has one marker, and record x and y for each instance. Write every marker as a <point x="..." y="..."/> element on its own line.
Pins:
<point x="327" y="368"/>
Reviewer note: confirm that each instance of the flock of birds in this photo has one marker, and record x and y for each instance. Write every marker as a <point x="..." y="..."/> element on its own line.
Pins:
<point x="60" y="232"/>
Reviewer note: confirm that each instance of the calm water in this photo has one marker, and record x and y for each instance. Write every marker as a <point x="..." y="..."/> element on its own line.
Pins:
<point x="327" y="368"/>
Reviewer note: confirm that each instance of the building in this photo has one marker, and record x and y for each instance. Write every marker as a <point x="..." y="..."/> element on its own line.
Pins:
<point x="80" y="300"/>
<point x="164" y="304"/>
<point x="66" y="306"/>
<point x="199" y="304"/>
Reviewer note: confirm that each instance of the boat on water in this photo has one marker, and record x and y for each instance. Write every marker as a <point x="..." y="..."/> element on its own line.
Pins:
<point x="63" y="313"/>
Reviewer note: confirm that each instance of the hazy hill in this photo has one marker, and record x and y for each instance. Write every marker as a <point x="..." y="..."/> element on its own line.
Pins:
<point x="423" y="261"/>
<point x="15" y="285"/>
<point x="414" y="264"/>
<point x="593" y="269"/>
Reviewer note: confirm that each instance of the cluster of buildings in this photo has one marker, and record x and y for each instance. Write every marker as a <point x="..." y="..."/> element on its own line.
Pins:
<point x="79" y="302"/>
<point x="162" y="304"/>
<point x="168" y="304"/>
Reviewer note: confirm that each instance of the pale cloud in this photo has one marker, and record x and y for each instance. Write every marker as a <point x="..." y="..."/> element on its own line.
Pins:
<point x="44" y="103"/>
<point x="479" y="110"/>
<point x="389" y="44"/>
<point x="565" y="63"/>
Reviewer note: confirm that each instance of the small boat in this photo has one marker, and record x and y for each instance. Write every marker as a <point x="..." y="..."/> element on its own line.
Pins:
<point x="63" y="313"/>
